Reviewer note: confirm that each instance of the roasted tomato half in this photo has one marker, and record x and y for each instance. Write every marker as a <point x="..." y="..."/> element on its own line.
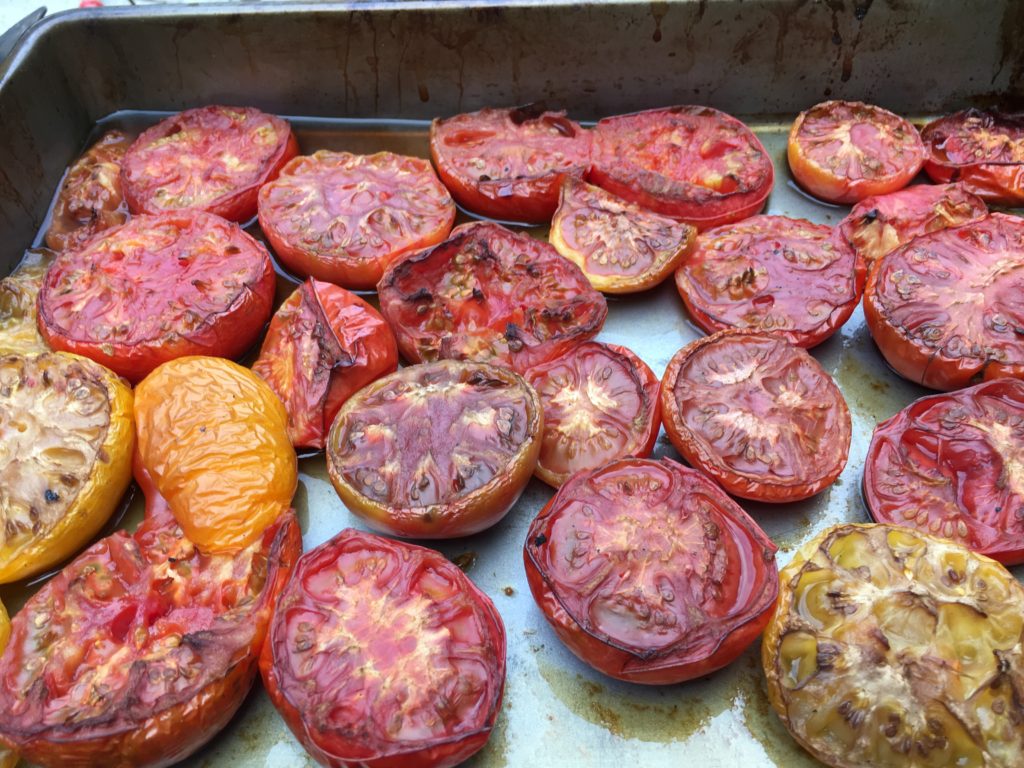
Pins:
<point x="324" y="344"/>
<point x="757" y="414"/>
<point x="509" y="163"/>
<point x="981" y="149"/>
<point x="157" y="288"/>
<point x="8" y="758"/>
<point x="771" y="273"/>
<point x="600" y="403"/>
<point x="487" y="294"/>
<point x="384" y="655"/>
<point x="844" y="151"/>
<point x="893" y="649"/>
<point x="142" y="648"/>
<point x="692" y="163"/>
<point x="953" y="466"/>
<point x="211" y="159"/>
<point x="344" y="218"/>
<point x="946" y="308"/>
<point x="881" y="224"/>
<point x="621" y="247"/>
<point x="648" y="572"/>
<point x="66" y="441"/>
<point x="214" y="439"/>
<point x="19" y="297"/>
<point x="436" y="450"/>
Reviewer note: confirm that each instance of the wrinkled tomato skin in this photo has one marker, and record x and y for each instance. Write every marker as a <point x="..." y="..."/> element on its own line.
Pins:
<point x="947" y="465"/>
<point x="491" y="295"/>
<point x="158" y="288"/>
<point x="360" y="745"/>
<point x="480" y="158"/>
<point x="323" y="345"/>
<point x="721" y="175"/>
<point x="721" y="633"/>
<point x="983" y="150"/>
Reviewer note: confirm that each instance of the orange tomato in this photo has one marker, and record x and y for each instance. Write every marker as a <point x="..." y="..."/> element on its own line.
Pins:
<point x="214" y="438"/>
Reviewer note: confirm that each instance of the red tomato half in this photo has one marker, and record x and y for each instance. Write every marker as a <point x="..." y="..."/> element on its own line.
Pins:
<point x="382" y="654"/>
<point x="211" y="159"/>
<point x="757" y="414"/>
<point x="953" y="466"/>
<point x="600" y="403"/>
<point x="158" y="288"/>
<point x="344" y="218"/>
<point x="692" y="163"/>
<point x="844" y="151"/>
<point x="489" y="294"/>
<point x="509" y="163"/>
<point x="771" y="273"/>
<point x="648" y="572"/>
<point x="324" y="343"/>
<point x="946" y="308"/>
<point x="983" y="150"/>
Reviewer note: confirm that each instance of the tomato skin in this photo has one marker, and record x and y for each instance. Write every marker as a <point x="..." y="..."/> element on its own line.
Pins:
<point x="336" y="573"/>
<point x="348" y="191"/>
<point x="661" y="501"/>
<point x="692" y="163"/>
<point x="482" y="158"/>
<point x="324" y="344"/>
<point x="492" y="295"/>
<point x="152" y="168"/>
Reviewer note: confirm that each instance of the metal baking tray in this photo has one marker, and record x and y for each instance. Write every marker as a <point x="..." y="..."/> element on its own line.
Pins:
<point x="365" y="77"/>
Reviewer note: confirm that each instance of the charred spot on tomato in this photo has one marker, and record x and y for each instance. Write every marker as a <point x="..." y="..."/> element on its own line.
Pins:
<point x="531" y="111"/>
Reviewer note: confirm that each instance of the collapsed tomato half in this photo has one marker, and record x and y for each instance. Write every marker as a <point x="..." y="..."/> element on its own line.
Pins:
<point x="649" y="573"/>
<point x="66" y="442"/>
<point x="19" y="315"/>
<point x="214" y="438"/>
<point x="324" y="343"/>
<point x="890" y="648"/>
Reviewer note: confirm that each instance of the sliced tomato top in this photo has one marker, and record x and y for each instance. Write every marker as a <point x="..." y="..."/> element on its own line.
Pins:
<point x="692" y="163"/>
<point x="953" y="465"/>
<point x="489" y="294"/>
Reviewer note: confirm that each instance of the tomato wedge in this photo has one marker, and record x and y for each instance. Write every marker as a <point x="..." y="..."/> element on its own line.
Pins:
<point x="508" y="164"/>
<point x="211" y="159"/>
<point x="437" y="450"/>
<point x="344" y="218"/>
<point x="757" y="414"/>
<point x="600" y="403"/>
<point x="982" y="149"/>
<point x="489" y="294"/>
<point x="771" y="273"/>
<point x="384" y="655"/>
<point x="648" y="572"/>
<point x="692" y="163"/>
<point x="324" y="343"/>
<point x="945" y="308"/>
<point x="620" y="247"/>
<point x="893" y="649"/>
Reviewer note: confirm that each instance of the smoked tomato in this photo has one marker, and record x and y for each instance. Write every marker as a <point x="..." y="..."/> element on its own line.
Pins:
<point x="157" y="288"/>
<point x="19" y="296"/>
<point x="648" y="572"/>
<point x="382" y="654"/>
<point x="211" y="159"/>
<point x="344" y="218"/>
<point x="695" y="164"/>
<point x="894" y="649"/>
<point x="620" y="247"/>
<point x="757" y="414"/>
<point x="437" y="450"/>
<point x="945" y="308"/>
<point x="771" y="273"/>
<point x="508" y="164"/>
<point x="489" y="294"/>
<point x="214" y="439"/>
<point x="324" y="343"/>
<point x="844" y="151"/>
<point x="600" y="403"/>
